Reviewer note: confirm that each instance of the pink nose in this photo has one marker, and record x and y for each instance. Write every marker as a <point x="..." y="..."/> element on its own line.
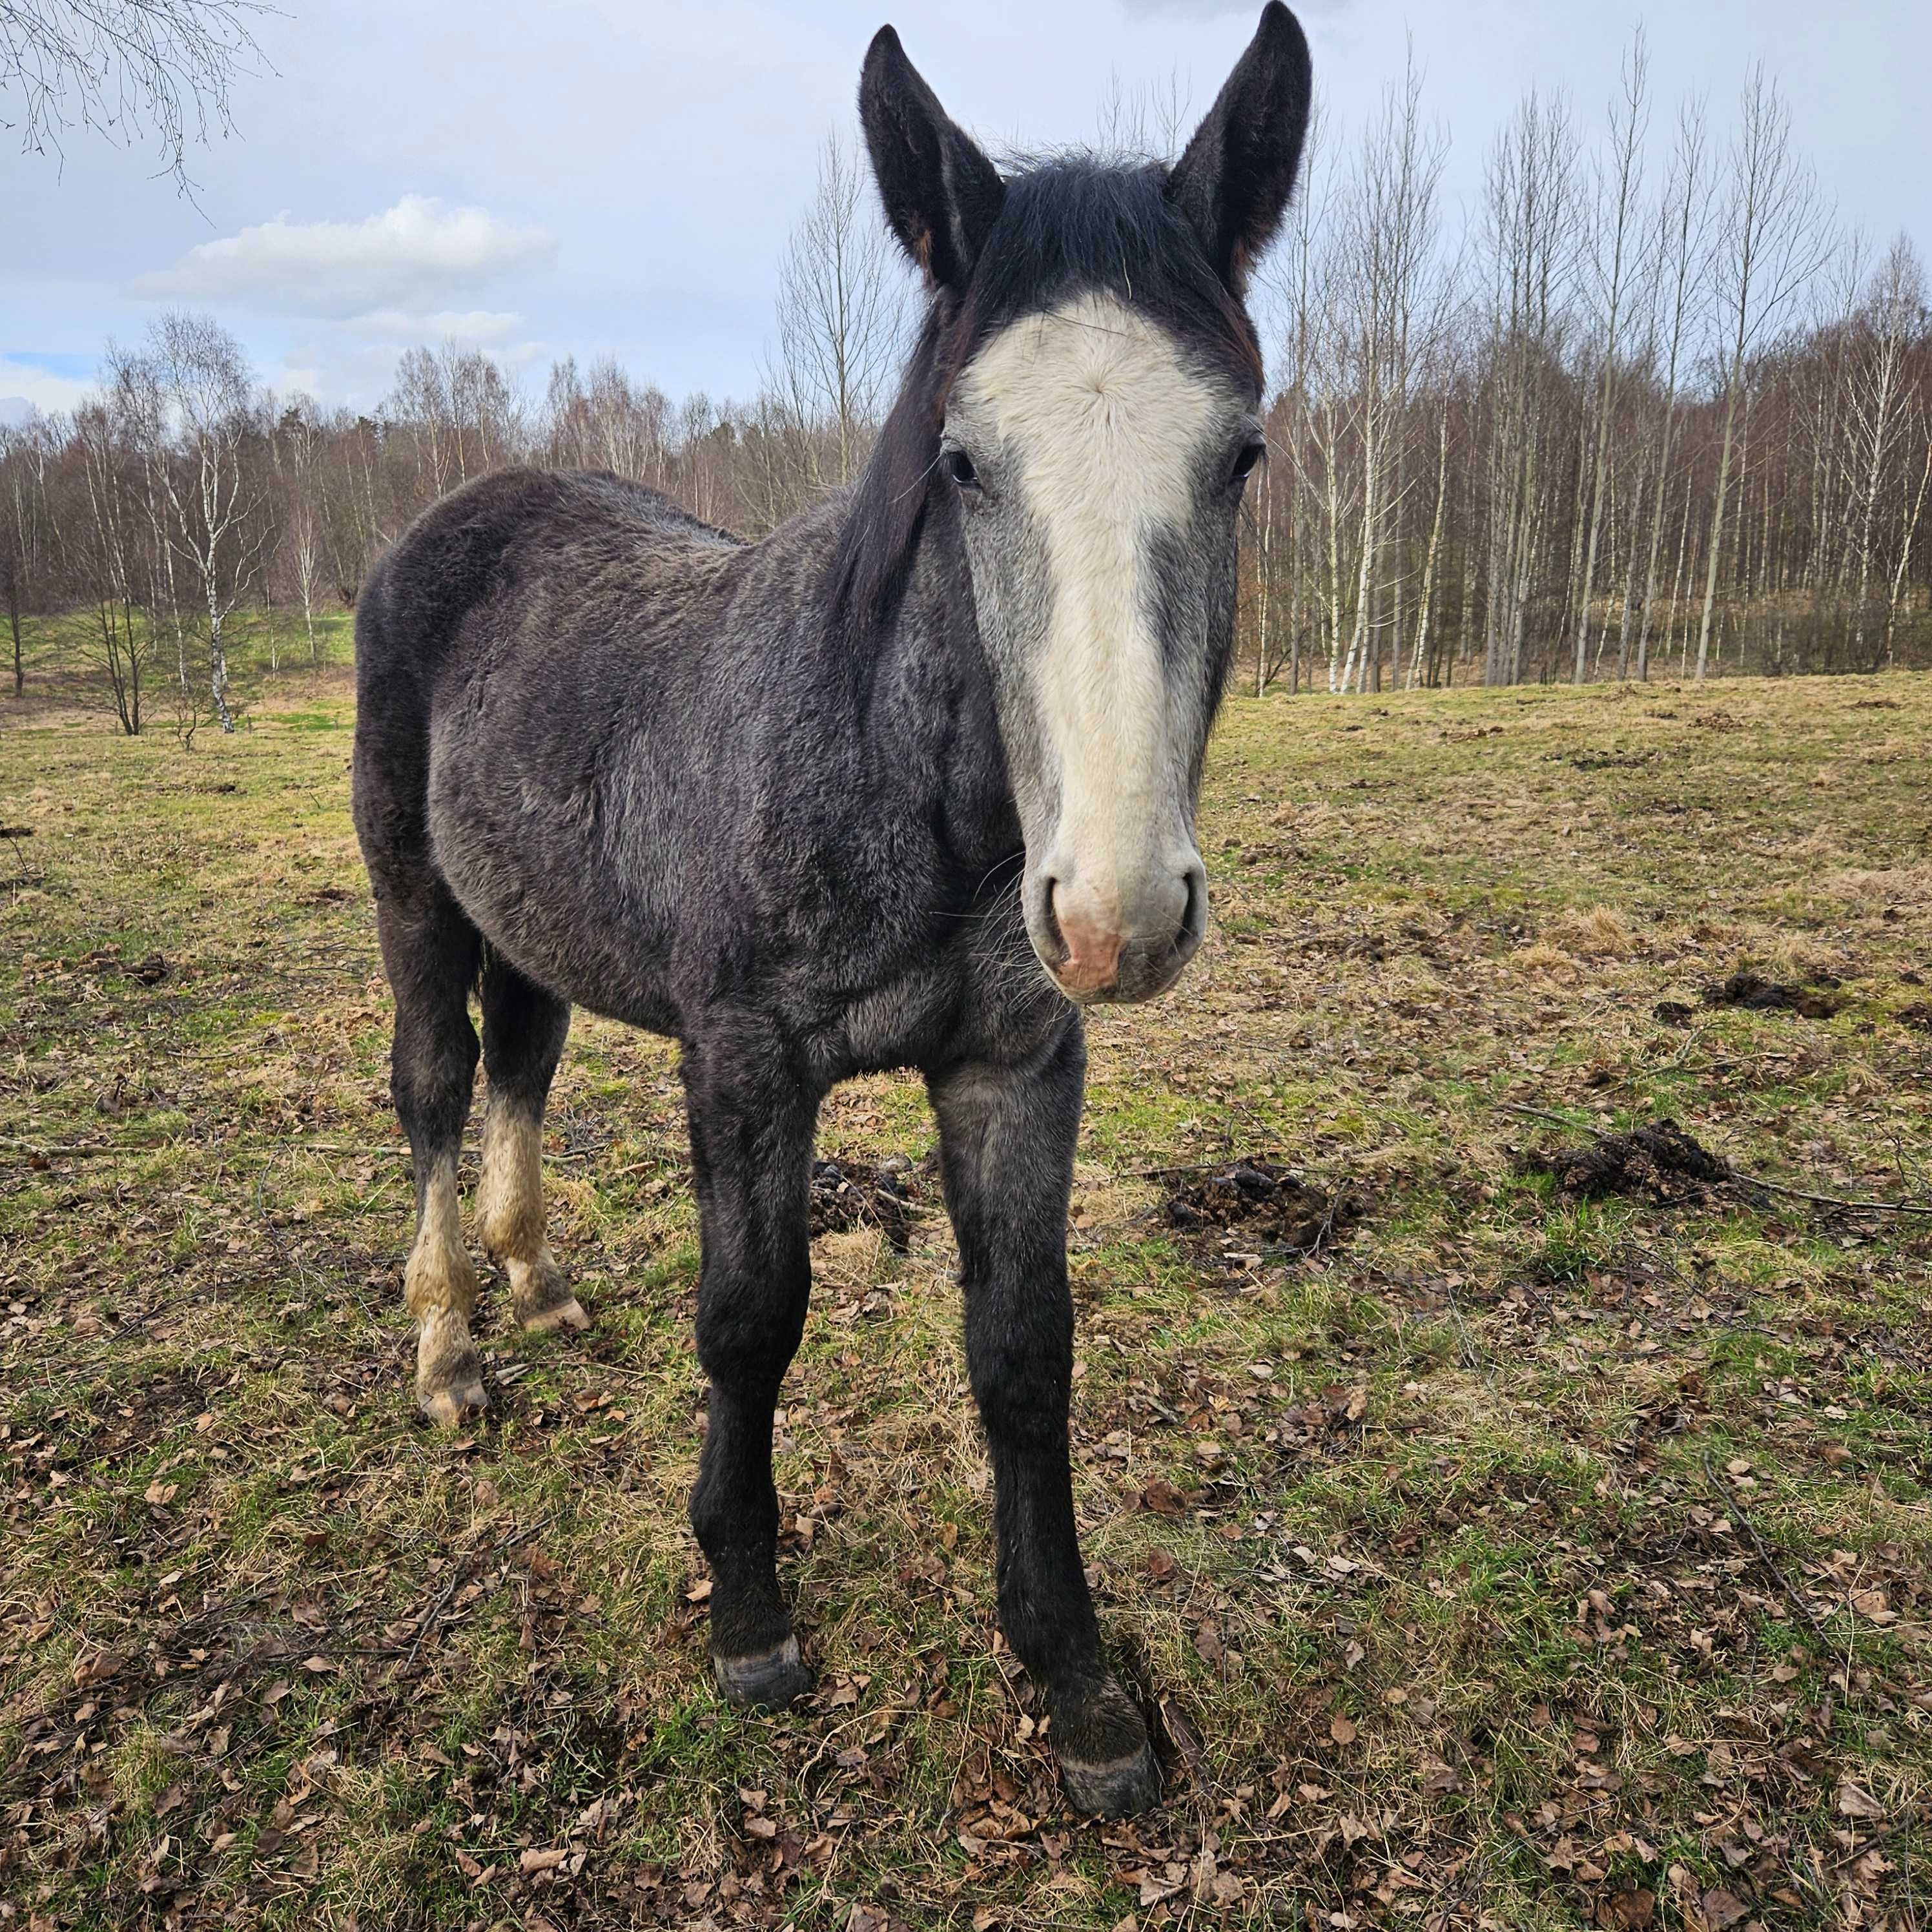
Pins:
<point x="1092" y="962"/>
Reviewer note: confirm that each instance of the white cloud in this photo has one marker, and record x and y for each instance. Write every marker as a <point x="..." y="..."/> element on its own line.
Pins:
<point x="409" y="259"/>
<point x="480" y="326"/>
<point x="27" y="390"/>
<point x="296" y="379"/>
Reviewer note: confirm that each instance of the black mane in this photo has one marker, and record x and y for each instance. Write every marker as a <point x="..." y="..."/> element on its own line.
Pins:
<point x="1069" y="225"/>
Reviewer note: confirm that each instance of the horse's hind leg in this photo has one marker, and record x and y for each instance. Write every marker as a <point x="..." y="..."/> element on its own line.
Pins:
<point x="431" y="951"/>
<point x="523" y="1029"/>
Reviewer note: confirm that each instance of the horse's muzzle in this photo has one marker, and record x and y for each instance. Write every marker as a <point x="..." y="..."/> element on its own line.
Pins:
<point x="1096" y="954"/>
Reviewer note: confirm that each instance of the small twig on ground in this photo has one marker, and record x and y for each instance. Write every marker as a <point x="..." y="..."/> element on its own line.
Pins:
<point x="1737" y="1177"/>
<point x="1199" y="1166"/>
<point x="13" y="834"/>
<point x="1744" y="1180"/>
<point x="1733" y="1505"/>
<point x="29" y="1151"/>
<point x="459" y="1574"/>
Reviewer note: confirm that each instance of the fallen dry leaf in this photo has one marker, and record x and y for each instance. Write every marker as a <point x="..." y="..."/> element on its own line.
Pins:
<point x="1723" y="1908"/>
<point x="1854" y="1802"/>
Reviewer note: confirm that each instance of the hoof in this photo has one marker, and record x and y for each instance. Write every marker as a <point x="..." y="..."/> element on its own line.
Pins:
<point x="1127" y="1785"/>
<point x="765" y="1683"/>
<point x="568" y="1313"/>
<point x="454" y="1403"/>
<point x="542" y="1296"/>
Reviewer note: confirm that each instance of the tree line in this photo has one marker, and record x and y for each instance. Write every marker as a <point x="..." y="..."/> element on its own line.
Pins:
<point x="1654" y="407"/>
<point x="1651" y="408"/>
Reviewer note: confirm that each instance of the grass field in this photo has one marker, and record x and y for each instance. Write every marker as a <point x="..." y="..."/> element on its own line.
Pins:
<point x="268" y="651"/>
<point x="1520" y="1559"/>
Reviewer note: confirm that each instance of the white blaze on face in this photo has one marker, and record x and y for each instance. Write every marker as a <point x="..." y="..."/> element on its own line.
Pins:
<point x="1101" y="427"/>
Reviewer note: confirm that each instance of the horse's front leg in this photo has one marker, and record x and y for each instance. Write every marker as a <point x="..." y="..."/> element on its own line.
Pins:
<point x="751" y="1136"/>
<point x="1007" y="1143"/>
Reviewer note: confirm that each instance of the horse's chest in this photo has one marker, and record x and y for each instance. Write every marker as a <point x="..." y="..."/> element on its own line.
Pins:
<point x="955" y="1005"/>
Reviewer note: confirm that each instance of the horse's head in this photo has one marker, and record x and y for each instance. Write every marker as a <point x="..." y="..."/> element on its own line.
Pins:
<point x="1093" y="401"/>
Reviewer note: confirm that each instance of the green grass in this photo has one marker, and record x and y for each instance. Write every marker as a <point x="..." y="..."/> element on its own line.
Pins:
<point x="271" y="655"/>
<point x="1518" y="1561"/>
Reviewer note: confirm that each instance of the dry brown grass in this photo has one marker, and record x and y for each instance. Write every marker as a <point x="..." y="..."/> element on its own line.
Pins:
<point x="1520" y="1562"/>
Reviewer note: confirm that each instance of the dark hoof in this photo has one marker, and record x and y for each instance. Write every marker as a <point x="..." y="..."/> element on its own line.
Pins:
<point x="765" y="1683"/>
<point x="1127" y="1785"/>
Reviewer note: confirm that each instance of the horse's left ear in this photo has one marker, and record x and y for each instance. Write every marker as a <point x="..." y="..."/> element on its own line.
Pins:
<point x="1234" y="181"/>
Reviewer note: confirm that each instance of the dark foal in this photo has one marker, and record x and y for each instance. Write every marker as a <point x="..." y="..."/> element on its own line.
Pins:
<point x="903" y="785"/>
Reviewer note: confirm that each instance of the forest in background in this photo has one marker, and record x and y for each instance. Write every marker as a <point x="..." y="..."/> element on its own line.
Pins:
<point x="1649" y="405"/>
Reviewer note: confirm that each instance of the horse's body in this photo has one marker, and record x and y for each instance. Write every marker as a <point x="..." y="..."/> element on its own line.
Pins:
<point x="670" y="797"/>
<point x="831" y="802"/>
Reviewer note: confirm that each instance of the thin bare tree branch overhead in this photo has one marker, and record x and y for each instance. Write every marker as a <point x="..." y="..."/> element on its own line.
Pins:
<point x="125" y="68"/>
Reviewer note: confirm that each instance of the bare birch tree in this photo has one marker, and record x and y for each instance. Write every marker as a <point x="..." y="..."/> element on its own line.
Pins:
<point x="1773" y="240"/>
<point x="302" y="440"/>
<point x="840" y="300"/>
<point x="26" y="534"/>
<point x="213" y="492"/>
<point x="1615" y="238"/>
<point x="1387" y="236"/>
<point x="1149" y="122"/>
<point x="1880" y="407"/>
<point x="1530" y="234"/>
<point x="1683" y="242"/>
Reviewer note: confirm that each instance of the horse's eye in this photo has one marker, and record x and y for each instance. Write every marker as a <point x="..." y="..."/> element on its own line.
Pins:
<point x="1244" y="463"/>
<point x="959" y="467"/>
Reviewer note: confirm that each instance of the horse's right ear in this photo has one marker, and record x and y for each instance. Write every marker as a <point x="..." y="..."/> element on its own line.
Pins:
<point x="941" y="194"/>
<point x="1234" y="181"/>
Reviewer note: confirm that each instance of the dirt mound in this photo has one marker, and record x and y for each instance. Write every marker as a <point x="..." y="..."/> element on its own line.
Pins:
<point x="1268" y="1203"/>
<point x="1918" y="1015"/>
<point x="1757" y="995"/>
<point x="1659" y="1163"/>
<point x="849" y="1194"/>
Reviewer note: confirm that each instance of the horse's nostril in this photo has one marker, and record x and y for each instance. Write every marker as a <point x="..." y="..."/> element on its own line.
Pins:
<point x="1194" y="917"/>
<point x="1051" y="922"/>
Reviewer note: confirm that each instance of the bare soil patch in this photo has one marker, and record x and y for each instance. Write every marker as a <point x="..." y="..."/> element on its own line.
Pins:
<point x="850" y="1194"/>
<point x="1660" y="1163"/>
<point x="1756" y="994"/>
<point x="1259" y="1200"/>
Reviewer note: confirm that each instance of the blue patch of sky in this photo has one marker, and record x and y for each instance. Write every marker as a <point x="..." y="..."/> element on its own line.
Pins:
<point x="55" y="363"/>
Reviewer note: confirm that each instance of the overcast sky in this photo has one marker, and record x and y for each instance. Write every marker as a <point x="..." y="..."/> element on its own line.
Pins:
<point x="618" y="176"/>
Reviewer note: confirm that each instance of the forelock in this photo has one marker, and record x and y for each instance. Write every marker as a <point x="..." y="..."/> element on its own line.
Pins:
<point x="1074" y="225"/>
